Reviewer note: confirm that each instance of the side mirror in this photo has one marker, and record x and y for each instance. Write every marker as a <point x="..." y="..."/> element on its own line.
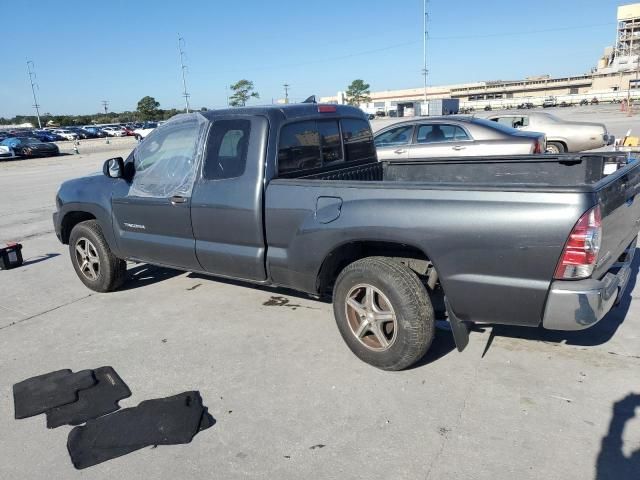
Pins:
<point x="114" y="168"/>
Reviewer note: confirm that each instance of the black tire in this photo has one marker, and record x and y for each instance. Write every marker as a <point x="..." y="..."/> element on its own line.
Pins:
<point x="555" y="148"/>
<point x="111" y="271"/>
<point x="403" y="294"/>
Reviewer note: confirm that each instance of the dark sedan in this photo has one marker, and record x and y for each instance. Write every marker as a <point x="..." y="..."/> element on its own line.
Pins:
<point x="30" y="147"/>
<point x="46" y="136"/>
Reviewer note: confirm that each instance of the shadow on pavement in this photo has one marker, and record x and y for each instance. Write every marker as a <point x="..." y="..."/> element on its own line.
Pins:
<point x="612" y="463"/>
<point x="265" y="288"/>
<point x="599" y="334"/>
<point x="441" y="346"/>
<point x="40" y="258"/>
<point x="143" y="275"/>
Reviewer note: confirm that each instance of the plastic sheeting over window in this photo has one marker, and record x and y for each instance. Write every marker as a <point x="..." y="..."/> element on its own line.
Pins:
<point x="166" y="161"/>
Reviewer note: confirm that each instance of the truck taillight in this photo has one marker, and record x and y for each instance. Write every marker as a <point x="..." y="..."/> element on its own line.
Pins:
<point x="580" y="253"/>
<point x="327" y="109"/>
<point x="537" y="148"/>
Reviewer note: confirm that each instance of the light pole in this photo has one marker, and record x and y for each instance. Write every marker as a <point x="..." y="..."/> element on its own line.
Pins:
<point x="32" y="74"/>
<point x="286" y="92"/>
<point x="183" y="67"/>
<point x="424" y="50"/>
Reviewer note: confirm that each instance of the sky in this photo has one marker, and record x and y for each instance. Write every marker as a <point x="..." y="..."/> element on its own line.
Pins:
<point x="118" y="50"/>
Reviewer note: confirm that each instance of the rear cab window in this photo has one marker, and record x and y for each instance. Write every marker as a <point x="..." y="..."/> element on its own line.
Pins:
<point x="313" y="144"/>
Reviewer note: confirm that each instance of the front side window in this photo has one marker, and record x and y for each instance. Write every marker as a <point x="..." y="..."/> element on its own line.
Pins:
<point x="440" y="133"/>
<point x="165" y="161"/>
<point x="395" y="136"/>
<point x="227" y="149"/>
<point x="513" y="122"/>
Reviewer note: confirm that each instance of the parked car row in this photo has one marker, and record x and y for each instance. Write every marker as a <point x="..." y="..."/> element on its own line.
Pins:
<point x="57" y="134"/>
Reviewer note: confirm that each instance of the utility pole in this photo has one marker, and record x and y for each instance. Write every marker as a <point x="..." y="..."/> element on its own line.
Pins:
<point x="286" y="92"/>
<point x="424" y="49"/>
<point x="183" y="67"/>
<point x="105" y="105"/>
<point x="32" y="74"/>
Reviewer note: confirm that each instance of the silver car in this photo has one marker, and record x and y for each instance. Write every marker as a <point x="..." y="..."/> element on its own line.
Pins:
<point x="454" y="136"/>
<point x="562" y="136"/>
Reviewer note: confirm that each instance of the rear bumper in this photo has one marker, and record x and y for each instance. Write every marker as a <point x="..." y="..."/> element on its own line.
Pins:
<point x="576" y="305"/>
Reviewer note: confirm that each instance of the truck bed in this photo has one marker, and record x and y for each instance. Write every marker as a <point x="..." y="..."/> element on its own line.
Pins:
<point x="493" y="227"/>
<point x="560" y="172"/>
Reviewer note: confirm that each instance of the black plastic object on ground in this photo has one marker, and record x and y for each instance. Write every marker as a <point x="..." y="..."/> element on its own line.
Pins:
<point x="93" y="402"/>
<point x="163" y="421"/>
<point x="11" y="256"/>
<point x="38" y="394"/>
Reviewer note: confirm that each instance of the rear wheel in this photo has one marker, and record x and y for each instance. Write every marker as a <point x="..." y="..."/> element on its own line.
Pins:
<point x="96" y="266"/>
<point x="555" y="148"/>
<point x="383" y="312"/>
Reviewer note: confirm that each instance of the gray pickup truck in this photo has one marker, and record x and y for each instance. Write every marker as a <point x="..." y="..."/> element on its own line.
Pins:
<point x="294" y="196"/>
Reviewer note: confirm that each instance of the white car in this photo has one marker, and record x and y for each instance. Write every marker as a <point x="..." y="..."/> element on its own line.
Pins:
<point x="66" y="134"/>
<point x="5" y="152"/>
<point x="146" y="129"/>
<point x="114" y="131"/>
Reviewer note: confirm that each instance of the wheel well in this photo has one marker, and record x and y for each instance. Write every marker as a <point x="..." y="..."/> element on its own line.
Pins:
<point x="70" y="220"/>
<point x="348" y="253"/>
<point x="561" y="142"/>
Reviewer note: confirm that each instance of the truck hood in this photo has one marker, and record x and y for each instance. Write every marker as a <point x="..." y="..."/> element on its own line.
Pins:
<point x="85" y="188"/>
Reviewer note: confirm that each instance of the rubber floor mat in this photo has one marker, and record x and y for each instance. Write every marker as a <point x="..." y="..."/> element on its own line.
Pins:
<point x="38" y="394"/>
<point x="163" y="421"/>
<point x="98" y="400"/>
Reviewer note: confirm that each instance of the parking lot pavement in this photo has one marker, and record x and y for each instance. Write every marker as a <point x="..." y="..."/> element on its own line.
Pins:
<point x="289" y="398"/>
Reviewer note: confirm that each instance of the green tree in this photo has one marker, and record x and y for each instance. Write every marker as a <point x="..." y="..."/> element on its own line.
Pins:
<point x="148" y="108"/>
<point x="243" y="90"/>
<point x="358" y="93"/>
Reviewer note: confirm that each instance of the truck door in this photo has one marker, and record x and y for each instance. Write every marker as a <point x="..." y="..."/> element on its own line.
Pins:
<point x="151" y="215"/>
<point x="226" y="209"/>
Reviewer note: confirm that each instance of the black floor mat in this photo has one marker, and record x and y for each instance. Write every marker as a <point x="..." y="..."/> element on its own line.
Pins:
<point x="100" y="399"/>
<point x="163" y="421"/>
<point x="38" y="394"/>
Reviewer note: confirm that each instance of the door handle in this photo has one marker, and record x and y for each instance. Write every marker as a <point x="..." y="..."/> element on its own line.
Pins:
<point x="178" y="199"/>
<point x="459" y="147"/>
<point x="400" y="151"/>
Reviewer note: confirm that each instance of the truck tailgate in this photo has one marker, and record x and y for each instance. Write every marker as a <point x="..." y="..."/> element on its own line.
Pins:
<point x="617" y="195"/>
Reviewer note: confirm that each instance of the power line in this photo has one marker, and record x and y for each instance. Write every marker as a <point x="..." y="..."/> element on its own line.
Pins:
<point x="32" y="74"/>
<point x="431" y="38"/>
<point x="105" y="105"/>
<point x="183" y="67"/>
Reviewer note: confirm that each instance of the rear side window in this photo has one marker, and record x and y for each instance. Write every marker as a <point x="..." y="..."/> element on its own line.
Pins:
<point x="440" y="133"/>
<point x="358" y="140"/>
<point x="227" y="149"/>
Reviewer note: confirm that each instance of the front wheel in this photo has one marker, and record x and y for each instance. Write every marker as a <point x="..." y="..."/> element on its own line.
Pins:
<point x="383" y="312"/>
<point x="96" y="266"/>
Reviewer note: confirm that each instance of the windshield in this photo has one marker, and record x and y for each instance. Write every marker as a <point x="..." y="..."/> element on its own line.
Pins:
<point x="29" y="140"/>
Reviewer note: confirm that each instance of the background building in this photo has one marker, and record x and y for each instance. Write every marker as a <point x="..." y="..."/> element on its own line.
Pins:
<point x="615" y="76"/>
